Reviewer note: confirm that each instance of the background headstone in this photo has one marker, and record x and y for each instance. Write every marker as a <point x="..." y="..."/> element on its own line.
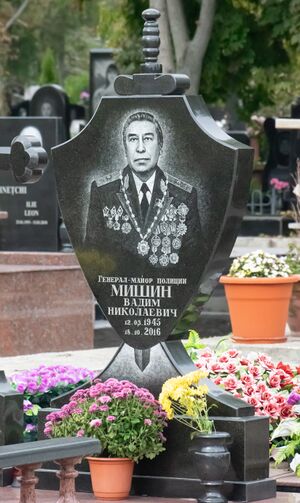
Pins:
<point x="51" y="101"/>
<point x="103" y="72"/>
<point x="32" y="223"/>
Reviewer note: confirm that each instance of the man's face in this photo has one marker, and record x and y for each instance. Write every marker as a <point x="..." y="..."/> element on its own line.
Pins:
<point x="142" y="146"/>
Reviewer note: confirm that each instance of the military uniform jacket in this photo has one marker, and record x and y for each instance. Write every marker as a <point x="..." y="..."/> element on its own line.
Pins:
<point x="170" y="235"/>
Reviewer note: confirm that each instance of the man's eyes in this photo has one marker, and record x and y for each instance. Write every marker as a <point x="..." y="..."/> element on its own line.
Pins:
<point x="136" y="138"/>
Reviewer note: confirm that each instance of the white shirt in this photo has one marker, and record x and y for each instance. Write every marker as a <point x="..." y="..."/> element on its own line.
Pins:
<point x="150" y="184"/>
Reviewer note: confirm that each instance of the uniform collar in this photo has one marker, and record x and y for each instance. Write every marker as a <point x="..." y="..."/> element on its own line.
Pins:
<point x="150" y="182"/>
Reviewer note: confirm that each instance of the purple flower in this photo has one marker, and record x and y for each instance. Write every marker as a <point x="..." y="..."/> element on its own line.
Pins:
<point x="293" y="398"/>
<point x="104" y="399"/>
<point x="111" y="418"/>
<point x="27" y="405"/>
<point x="147" y="422"/>
<point x="95" y="423"/>
<point x="30" y="427"/>
<point x="104" y="408"/>
<point x="80" y="433"/>
<point x="94" y="407"/>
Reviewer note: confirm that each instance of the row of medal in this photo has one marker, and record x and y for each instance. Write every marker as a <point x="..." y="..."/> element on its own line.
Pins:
<point x="166" y="240"/>
<point x="113" y="217"/>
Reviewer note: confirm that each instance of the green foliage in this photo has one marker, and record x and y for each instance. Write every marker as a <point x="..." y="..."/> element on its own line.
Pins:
<point x="293" y="258"/>
<point x="74" y="84"/>
<point x="192" y="344"/>
<point x="48" y="73"/>
<point x="289" y="448"/>
<point x="120" y="27"/>
<point x="69" y="27"/>
<point x="191" y="315"/>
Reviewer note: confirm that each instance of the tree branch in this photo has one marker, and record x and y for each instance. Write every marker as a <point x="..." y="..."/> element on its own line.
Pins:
<point x="178" y="27"/>
<point x="197" y="46"/>
<point x="166" y="50"/>
<point x="16" y="15"/>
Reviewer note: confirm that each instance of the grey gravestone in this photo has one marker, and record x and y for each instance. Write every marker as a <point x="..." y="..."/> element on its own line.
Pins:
<point x="103" y="71"/>
<point x="147" y="250"/>
<point x="32" y="223"/>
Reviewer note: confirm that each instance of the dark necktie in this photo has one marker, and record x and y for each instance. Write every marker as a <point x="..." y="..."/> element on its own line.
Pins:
<point x="144" y="201"/>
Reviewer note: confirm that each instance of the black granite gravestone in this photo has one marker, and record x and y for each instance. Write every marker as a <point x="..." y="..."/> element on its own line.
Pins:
<point x="153" y="212"/>
<point x="51" y="101"/>
<point x="103" y="71"/>
<point x="32" y="223"/>
<point x="152" y="193"/>
<point x="27" y="160"/>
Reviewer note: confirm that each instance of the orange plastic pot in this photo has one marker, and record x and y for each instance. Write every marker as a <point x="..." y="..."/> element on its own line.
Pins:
<point x="111" y="477"/>
<point x="258" y="308"/>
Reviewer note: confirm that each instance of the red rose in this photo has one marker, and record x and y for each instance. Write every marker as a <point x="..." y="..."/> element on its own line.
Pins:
<point x="218" y="380"/>
<point x="223" y="359"/>
<point x="286" y="367"/>
<point x="274" y="380"/>
<point x="247" y="379"/>
<point x="286" y="411"/>
<point x="216" y="367"/>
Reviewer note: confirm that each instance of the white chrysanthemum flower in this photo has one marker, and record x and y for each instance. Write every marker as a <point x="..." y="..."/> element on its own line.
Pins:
<point x="259" y="264"/>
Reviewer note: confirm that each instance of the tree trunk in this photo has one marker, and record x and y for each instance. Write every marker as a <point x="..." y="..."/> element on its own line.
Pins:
<point x="196" y="48"/>
<point x="178" y="28"/>
<point x="166" y="49"/>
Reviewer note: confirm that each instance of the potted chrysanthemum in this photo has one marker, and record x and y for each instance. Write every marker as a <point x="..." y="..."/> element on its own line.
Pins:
<point x="127" y="420"/>
<point x="258" y="289"/>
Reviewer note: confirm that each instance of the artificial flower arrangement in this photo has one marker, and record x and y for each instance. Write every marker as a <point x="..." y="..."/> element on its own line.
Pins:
<point x="259" y="264"/>
<point x="286" y="437"/>
<point x="273" y="389"/>
<point x="256" y="379"/>
<point x="40" y="385"/>
<point x="279" y="185"/>
<point x="127" y="420"/>
<point x="185" y="400"/>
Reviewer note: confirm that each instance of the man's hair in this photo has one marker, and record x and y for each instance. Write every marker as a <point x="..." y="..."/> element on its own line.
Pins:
<point x="143" y="116"/>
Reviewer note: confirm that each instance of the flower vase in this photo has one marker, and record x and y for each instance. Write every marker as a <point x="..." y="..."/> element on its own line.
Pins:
<point x="212" y="460"/>
<point x="111" y="477"/>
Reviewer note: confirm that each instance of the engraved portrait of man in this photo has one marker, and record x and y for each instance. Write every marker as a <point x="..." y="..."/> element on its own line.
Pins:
<point x="142" y="208"/>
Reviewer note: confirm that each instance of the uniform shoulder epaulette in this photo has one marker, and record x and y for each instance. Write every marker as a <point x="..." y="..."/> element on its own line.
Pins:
<point x="180" y="183"/>
<point x="111" y="177"/>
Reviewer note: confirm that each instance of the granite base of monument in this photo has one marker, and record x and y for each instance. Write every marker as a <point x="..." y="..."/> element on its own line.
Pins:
<point x="172" y="474"/>
<point x="46" y="304"/>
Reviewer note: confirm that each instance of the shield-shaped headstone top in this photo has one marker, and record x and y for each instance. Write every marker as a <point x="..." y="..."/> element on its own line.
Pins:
<point x="145" y="191"/>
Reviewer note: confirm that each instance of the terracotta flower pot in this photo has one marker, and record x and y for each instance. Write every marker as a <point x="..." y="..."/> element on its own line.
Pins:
<point x="258" y="308"/>
<point x="294" y="309"/>
<point x="111" y="477"/>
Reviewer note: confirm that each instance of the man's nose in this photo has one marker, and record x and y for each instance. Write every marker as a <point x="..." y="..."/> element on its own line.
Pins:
<point x="140" y="145"/>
